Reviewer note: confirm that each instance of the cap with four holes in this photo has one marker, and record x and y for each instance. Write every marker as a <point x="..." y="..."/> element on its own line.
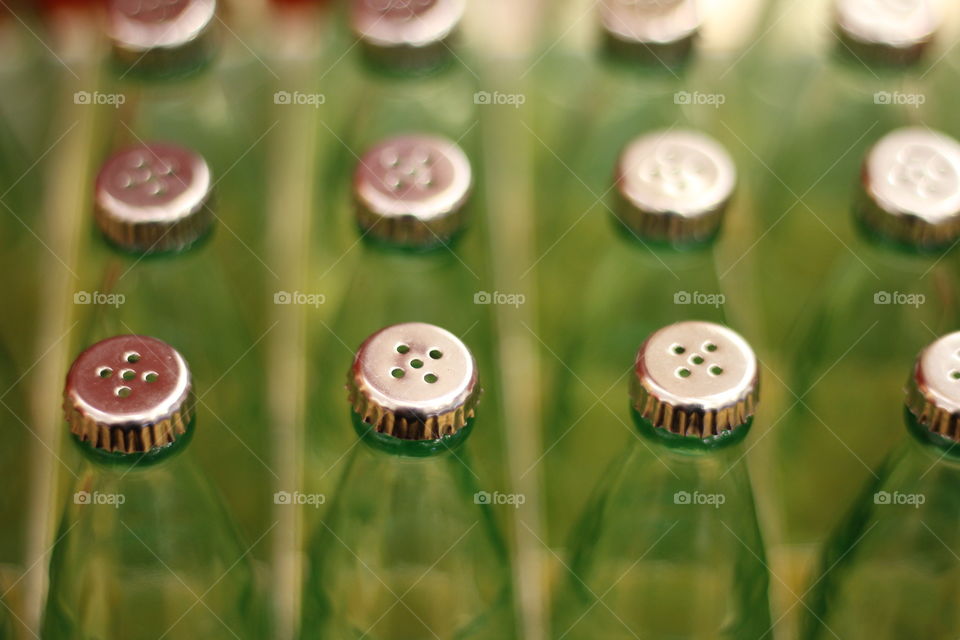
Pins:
<point x="674" y="186"/>
<point x="933" y="390"/>
<point x="658" y="30"/>
<point x="695" y="379"/>
<point x="414" y="381"/>
<point x="154" y="197"/>
<point x="161" y="36"/>
<point x="411" y="190"/>
<point x="406" y="33"/>
<point x="910" y="184"/>
<point x="128" y="394"/>
<point x="889" y="31"/>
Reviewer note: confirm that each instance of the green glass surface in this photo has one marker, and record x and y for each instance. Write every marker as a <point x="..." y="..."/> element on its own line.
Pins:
<point x="668" y="547"/>
<point x="891" y="571"/>
<point x="146" y="550"/>
<point x="407" y="550"/>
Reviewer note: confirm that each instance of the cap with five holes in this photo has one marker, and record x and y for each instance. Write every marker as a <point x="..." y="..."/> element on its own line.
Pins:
<point x="411" y="190"/>
<point x="933" y="390"/>
<point x="161" y="36"/>
<point x="406" y="33"/>
<point x="674" y="186"/>
<point x="889" y="31"/>
<point x="154" y="197"/>
<point x="414" y="381"/>
<point x="659" y="30"/>
<point x="695" y="379"/>
<point x="910" y="188"/>
<point x="128" y="394"/>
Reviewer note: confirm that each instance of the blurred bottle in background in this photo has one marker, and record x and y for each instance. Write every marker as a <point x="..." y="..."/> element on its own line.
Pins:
<point x="144" y="548"/>
<point x="669" y="546"/>
<point x="671" y="190"/>
<point x="409" y="547"/>
<point x="876" y="308"/>
<point x="891" y="570"/>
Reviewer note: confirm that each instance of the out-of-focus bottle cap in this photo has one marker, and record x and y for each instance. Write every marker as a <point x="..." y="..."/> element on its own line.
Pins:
<point x="887" y="31"/>
<point x="129" y="394"/>
<point x="933" y="390"/>
<point x="154" y="198"/>
<point x="411" y="190"/>
<point x="161" y="37"/>
<point x="406" y="33"/>
<point x="695" y="379"/>
<point x="674" y="186"/>
<point x="910" y="188"/>
<point x="414" y="381"/>
<point x="655" y="30"/>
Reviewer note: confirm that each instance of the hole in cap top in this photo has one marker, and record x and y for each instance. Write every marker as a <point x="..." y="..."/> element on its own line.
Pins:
<point x="430" y="378"/>
<point x="397" y="372"/>
<point x="123" y="392"/>
<point x="436" y="354"/>
<point x="683" y="372"/>
<point x="132" y="356"/>
<point x="402" y="348"/>
<point x="678" y="349"/>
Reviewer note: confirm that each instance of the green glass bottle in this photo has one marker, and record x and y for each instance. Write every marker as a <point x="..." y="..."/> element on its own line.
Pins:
<point x="160" y="262"/>
<point x="876" y="307"/>
<point x="418" y="253"/>
<point x="656" y="267"/>
<point x="409" y="547"/>
<point x="145" y="548"/>
<point x="669" y="546"/>
<point x="891" y="570"/>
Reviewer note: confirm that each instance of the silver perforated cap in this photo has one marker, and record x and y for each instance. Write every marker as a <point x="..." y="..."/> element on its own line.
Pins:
<point x="911" y="187"/>
<point x="128" y="394"/>
<point x="411" y="190"/>
<point x="933" y="390"/>
<point x="674" y="185"/>
<point x="154" y="197"/>
<point x="414" y="381"/>
<point x="695" y="379"/>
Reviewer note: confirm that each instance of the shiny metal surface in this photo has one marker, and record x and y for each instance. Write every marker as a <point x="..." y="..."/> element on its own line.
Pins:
<point x="933" y="390"/>
<point x="143" y="25"/>
<point x="661" y="29"/>
<point x="414" y="380"/>
<point x="154" y="197"/>
<point x="893" y="30"/>
<point x="415" y="30"/>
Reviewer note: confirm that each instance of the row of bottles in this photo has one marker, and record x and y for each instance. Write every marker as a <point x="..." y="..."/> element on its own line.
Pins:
<point x="633" y="206"/>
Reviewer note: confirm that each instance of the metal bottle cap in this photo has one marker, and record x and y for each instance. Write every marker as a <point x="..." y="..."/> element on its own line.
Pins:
<point x="161" y="36"/>
<point x="661" y="30"/>
<point x="674" y="185"/>
<point x="889" y="31"/>
<point x="406" y="33"/>
<point x="911" y="188"/>
<point x="411" y="189"/>
<point x="933" y="390"/>
<point x="128" y="394"/>
<point x="414" y="381"/>
<point x="695" y="379"/>
<point x="154" y="197"/>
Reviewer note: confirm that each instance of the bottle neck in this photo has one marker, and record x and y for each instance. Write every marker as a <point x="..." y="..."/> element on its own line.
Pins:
<point x="941" y="449"/>
<point x="718" y="445"/>
<point x="126" y="462"/>
<point x="388" y="444"/>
